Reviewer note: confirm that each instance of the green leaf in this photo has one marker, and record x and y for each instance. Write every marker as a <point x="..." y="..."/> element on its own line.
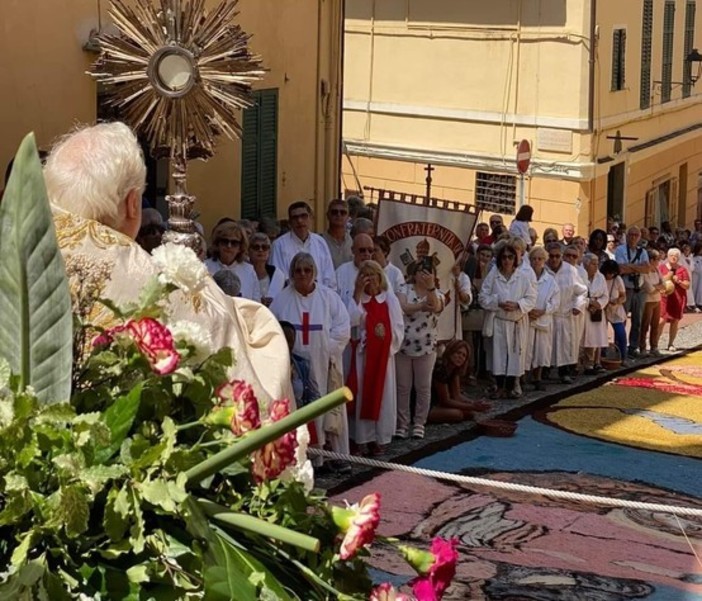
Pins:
<point x="75" y="510"/>
<point x="36" y="322"/>
<point x="114" y="520"/>
<point x="97" y="476"/>
<point x="19" y="555"/>
<point x="119" y="418"/>
<point x="138" y="574"/>
<point x="5" y="373"/>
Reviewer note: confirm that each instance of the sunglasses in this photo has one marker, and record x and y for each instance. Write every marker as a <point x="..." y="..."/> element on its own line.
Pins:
<point x="260" y="247"/>
<point x="555" y="255"/>
<point x="337" y="212"/>
<point x="232" y="242"/>
<point x="510" y="257"/>
<point x="300" y="216"/>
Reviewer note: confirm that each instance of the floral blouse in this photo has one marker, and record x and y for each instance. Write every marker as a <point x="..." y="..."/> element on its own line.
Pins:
<point x="420" y="327"/>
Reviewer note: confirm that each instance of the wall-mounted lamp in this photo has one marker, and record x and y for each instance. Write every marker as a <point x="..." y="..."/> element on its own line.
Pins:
<point x="694" y="57"/>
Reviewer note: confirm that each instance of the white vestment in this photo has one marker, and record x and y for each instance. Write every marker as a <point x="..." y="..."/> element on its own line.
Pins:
<point x="395" y="276"/>
<point x="462" y="283"/>
<point x="573" y="296"/>
<point x="580" y="318"/>
<point x="288" y="245"/>
<point x="381" y="431"/>
<point x="250" y="287"/>
<point x="322" y="325"/>
<point x="507" y="328"/>
<point x="540" y="339"/>
<point x="595" y="335"/>
<point x="346" y="276"/>
<point x="247" y="327"/>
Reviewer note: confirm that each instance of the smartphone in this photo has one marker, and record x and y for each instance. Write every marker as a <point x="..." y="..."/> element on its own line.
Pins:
<point x="427" y="264"/>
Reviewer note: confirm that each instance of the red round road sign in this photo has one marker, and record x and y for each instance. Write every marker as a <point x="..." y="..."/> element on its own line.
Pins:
<point x="523" y="156"/>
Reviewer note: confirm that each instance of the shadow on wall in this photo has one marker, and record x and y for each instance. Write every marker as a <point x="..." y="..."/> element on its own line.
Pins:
<point x="505" y="13"/>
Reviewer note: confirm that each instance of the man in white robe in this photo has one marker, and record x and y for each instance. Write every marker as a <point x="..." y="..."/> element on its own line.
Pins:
<point x="573" y="303"/>
<point x="301" y="239"/>
<point x="95" y="178"/>
<point x="323" y="331"/>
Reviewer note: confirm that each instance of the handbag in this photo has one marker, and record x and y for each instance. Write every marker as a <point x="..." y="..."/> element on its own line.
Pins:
<point x="473" y="318"/>
<point x="596" y="316"/>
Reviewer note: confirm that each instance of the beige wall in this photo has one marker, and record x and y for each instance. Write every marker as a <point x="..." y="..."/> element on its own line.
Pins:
<point x="45" y="89"/>
<point x="456" y="84"/>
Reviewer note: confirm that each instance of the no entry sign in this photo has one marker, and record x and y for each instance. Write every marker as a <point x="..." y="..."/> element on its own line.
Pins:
<point x="523" y="156"/>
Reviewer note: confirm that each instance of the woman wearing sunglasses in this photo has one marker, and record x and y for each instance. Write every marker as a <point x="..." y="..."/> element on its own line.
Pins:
<point x="508" y="295"/>
<point x="270" y="279"/>
<point x="229" y="248"/>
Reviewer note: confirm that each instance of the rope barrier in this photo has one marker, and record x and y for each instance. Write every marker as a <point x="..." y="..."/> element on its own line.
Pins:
<point x="546" y="492"/>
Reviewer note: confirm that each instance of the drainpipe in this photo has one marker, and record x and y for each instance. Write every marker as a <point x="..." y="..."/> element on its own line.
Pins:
<point x="591" y="108"/>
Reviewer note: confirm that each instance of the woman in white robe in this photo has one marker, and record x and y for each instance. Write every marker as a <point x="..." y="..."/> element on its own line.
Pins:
<point x="595" y="337"/>
<point x="373" y="286"/>
<point x="323" y="330"/>
<point x="540" y="337"/>
<point x="507" y="295"/>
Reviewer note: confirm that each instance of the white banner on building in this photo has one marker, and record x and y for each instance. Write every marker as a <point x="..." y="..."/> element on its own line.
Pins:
<point x="441" y="229"/>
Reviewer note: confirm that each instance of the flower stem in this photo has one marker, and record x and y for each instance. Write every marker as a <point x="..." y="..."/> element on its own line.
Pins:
<point x="257" y="439"/>
<point x="189" y="425"/>
<point x="256" y="525"/>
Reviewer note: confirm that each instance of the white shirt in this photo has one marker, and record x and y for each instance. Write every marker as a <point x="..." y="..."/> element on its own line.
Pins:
<point x="288" y="245"/>
<point x="244" y="271"/>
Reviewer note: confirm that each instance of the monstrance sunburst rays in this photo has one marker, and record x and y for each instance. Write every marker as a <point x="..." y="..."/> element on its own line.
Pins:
<point x="178" y="74"/>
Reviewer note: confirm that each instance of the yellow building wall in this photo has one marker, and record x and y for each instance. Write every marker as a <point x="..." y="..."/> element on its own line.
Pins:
<point x="466" y="80"/>
<point x="45" y="90"/>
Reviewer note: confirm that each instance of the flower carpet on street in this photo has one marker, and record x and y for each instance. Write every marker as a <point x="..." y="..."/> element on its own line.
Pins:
<point x="636" y="438"/>
<point x="657" y="408"/>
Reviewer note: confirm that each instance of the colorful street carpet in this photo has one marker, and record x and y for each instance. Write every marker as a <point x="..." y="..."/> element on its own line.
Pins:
<point x="637" y="438"/>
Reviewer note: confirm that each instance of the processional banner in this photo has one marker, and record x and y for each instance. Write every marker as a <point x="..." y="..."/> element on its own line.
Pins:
<point x="418" y="228"/>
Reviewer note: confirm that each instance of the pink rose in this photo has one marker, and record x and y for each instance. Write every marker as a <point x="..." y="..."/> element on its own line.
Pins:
<point x="358" y="524"/>
<point x="272" y="460"/>
<point x="242" y="410"/>
<point x="387" y="592"/>
<point x="155" y="342"/>
<point x="432" y="584"/>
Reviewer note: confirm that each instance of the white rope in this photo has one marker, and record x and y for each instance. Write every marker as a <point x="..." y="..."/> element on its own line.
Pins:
<point x="535" y="490"/>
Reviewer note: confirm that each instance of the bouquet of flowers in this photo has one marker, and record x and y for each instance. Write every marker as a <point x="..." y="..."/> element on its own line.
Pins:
<point x="132" y="467"/>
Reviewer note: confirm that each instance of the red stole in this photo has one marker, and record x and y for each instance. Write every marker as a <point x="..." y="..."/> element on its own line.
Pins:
<point x="378" y="342"/>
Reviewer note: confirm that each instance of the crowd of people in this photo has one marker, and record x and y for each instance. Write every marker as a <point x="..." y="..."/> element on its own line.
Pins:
<point x="533" y="308"/>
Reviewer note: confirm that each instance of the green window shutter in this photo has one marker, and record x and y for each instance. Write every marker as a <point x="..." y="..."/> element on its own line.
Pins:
<point x="259" y="160"/>
<point x="668" y="45"/>
<point x="646" y="42"/>
<point x="618" y="59"/>
<point x="690" y="14"/>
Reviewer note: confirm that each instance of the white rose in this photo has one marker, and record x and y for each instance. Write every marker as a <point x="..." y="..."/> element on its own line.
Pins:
<point x="179" y="265"/>
<point x="194" y="335"/>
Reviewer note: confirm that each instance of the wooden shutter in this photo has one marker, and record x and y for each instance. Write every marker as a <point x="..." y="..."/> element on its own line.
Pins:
<point x="618" y="59"/>
<point x="668" y="46"/>
<point x="646" y="42"/>
<point x="690" y="14"/>
<point x="259" y="160"/>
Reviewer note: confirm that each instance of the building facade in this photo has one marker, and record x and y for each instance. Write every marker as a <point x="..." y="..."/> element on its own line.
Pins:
<point x="601" y="90"/>
<point x="290" y="148"/>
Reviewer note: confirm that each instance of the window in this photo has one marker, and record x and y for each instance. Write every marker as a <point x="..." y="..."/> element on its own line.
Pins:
<point x="618" y="59"/>
<point x="646" y="40"/>
<point x="668" y="41"/>
<point x="495" y="192"/>
<point x="259" y="156"/>
<point x="690" y="11"/>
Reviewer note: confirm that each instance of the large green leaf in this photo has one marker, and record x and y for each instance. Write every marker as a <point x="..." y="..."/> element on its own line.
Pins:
<point x="119" y="418"/>
<point x="35" y="303"/>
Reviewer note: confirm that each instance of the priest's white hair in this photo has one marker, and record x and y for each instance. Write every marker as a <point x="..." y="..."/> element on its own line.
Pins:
<point x="91" y="170"/>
